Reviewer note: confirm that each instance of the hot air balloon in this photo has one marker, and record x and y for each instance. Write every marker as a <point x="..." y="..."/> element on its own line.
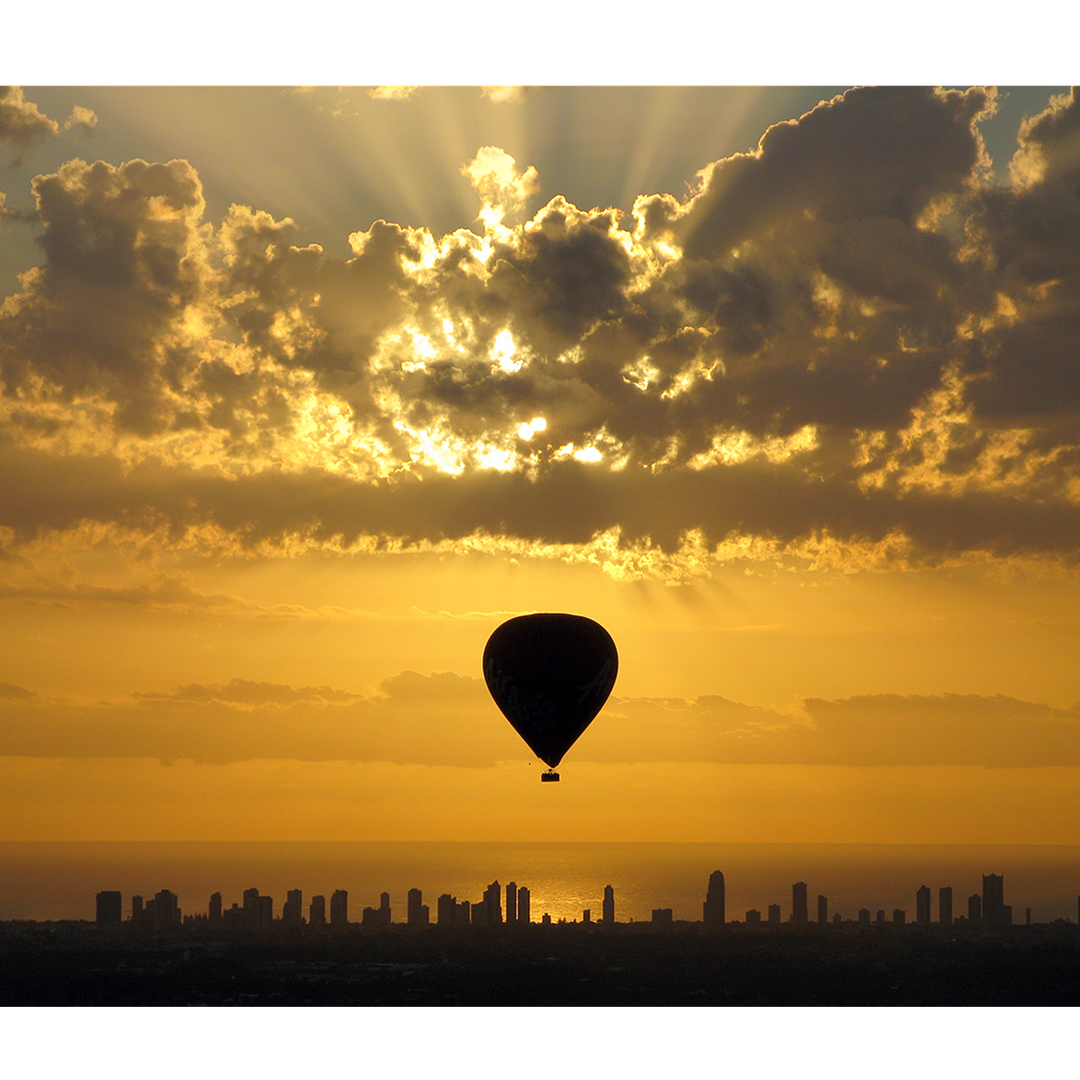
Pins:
<point x="550" y="674"/>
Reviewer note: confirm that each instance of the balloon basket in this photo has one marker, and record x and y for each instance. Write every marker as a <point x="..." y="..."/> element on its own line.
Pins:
<point x="549" y="777"/>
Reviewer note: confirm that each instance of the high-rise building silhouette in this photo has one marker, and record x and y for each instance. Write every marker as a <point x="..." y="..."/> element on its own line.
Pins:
<point x="317" y="912"/>
<point x="511" y="902"/>
<point x="663" y="916"/>
<point x="608" y="916"/>
<point x="975" y="908"/>
<point x="137" y="909"/>
<point x="864" y="916"/>
<point x="384" y="909"/>
<point x="922" y="906"/>
<point x="822" y="910"/>
<point x="292" y="912"/>
<point x="109" y="909"/>
<point x="493" y="905"/>
<point x="166" y="912"/>
<point x="993" y="900"/>
<point x="799" y="914"/>
<point x="523" y="915"/>
<point x="713" y="911"/>
<point x="753" y="917"/>
<point x="339" y="908"/>
<point x="774" y="913"/>
<point x="215" y="909"/>
<point x="945" y="906"/>
<point x="586" y="915"/>
<point x="258" y="910"/>
<point x="414" y="906"/>
<point x="446" y="910"/>
<point x="899" y="917"/>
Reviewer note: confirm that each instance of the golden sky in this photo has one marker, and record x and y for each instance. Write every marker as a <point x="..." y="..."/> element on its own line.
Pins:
<point x="304" y="392"/>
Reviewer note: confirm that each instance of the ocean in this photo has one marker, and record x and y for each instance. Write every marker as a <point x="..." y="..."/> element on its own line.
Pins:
<point x="60" y="880"/>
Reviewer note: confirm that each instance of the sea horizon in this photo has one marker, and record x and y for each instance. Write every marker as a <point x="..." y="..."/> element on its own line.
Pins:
<point x="55" y="880"/>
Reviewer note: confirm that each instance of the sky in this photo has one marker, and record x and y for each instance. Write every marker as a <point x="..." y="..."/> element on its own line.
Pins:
<point x="305" y="390"/>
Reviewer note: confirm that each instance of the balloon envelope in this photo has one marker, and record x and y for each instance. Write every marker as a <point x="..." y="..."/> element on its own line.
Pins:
<point x="550" y="674"/>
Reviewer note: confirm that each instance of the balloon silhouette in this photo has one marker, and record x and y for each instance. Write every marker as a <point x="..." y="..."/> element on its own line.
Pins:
<point x="550" y="674"/>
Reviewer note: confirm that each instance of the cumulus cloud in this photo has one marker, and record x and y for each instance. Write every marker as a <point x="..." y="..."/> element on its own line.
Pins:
<point x="22" y="123"/>
<point x="848" y="346"/>
<point x="81" y="119"/>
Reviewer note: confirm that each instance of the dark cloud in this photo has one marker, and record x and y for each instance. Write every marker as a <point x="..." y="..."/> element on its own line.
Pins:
<point x="850" y="333"/>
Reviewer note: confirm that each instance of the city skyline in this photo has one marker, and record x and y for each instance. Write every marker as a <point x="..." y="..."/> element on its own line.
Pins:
<point x="777" y="384"/>
<point x="986" y="909"/>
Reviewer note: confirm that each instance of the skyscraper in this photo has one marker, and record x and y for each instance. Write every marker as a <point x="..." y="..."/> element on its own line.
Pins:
<point x="418" y="914"/>
<point x="317" y="911"/>
<point x="511" y="902"/>
<point x="523" y="905"/>
<point x="799" y="914"/>
<point x="822" y="910"/>
<point x="384" y="909"/>
<point x="215" y="909"/>
<point x="713" y="912"/>
<point x="339" y="908"/>
<point x="609" y="906"/>
<point x="446" y="910"/>
<point x="109" y="909"/>
<point x="922" y="906"/>
<point x="945" y="906"/>
<point x="974" y="908"/>
<point x="166" y="910"/>
<point x="493" y="905"/>
<point x="993" y="899"/>
<point x="292" y="913"/>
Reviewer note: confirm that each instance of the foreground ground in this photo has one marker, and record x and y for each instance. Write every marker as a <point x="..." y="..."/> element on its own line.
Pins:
<point x="551" y="965"/>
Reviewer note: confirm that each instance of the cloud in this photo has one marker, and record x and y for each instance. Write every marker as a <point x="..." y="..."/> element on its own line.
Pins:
<point x="443" y="719"/>
<point x="83" y="119"/>
<point x="505" y="95"/>
<point x="502" y="189"/>
<point x="22" y="123"/>
<point x="850" y="346"/>
<point x="393" y="93"/>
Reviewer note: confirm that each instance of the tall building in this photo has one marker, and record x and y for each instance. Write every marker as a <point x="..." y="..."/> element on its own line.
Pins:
<point x="414" y="904"/>
<point x="317" y="911"/>
<point x="339" y="908"/>
<point x="215" y="909"/>
<point x="511" y="902"/>
<point x="899" y="917"/>
<point x="944" y="906"/>
<point x="292" y="913"/>
<point x="774" y="913"/>
<point x="166" y="910"/>
<point x="975" y="908"/>
<point x="523" y="905"/>
<point x="493" y="905"/>
<point x="109" y="909"/>
<point x="922" y="905"/>
<point x="258" y="910"/>
<point x="384" y="909"/>
<point x="713" y="912"/>
<point x="822" y="910"/>
<point x="609" y="906"/>
<point x="993" y="899"/>
<point x="446" y="910"/>
<point x="864" y="916"/>
<point x="138" y="912"/>
<point x="753" y="917"/>
<point x="799" y="913"/>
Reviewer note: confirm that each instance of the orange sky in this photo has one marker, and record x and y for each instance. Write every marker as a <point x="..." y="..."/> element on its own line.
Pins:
<point x="271" y="469"/>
